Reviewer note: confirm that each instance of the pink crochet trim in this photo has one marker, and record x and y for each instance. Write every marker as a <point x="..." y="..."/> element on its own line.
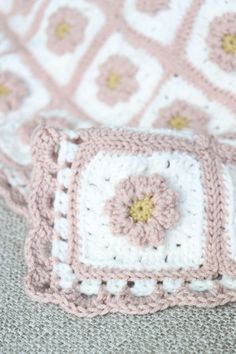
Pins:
<point x="164" y="214"/>
<point x="42" y="283"/>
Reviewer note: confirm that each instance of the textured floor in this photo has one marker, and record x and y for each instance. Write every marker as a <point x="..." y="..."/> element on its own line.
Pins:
<point x="29" y="327"/>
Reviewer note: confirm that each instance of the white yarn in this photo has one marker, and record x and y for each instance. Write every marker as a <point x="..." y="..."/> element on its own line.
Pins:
<point x="115" y="286"/>
<point x="67" y="152"/>
<point x="201" y="285"/>
<point x="61" y="227"/>
<point x="64" y="176"/>
<point x="65" y="273"/>
<point x="171" y="285"/>
<point x="62" y="67"/>
<point x="149" y="71"/>
<point x="90" y="287"/>
<point x="61" y="202"/>
<point x="152" y="26"/>
<point x="59" y="250"/>
<point x="228" y="282"/>
<point x="143" y="287"/>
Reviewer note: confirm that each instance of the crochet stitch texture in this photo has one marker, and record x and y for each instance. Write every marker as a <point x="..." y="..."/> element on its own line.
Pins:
<point x="184" y="185"/>
<point x="142" y="63"/>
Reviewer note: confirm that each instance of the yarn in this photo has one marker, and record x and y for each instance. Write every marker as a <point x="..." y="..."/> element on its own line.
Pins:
<point x="179" y="251"/>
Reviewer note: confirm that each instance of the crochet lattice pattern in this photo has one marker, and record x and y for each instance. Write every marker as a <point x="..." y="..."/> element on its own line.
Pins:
<point x="140" y="63"/>
<point x="131" y="222"/>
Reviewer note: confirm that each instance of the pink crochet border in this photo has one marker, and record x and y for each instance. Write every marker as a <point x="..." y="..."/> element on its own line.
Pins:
<point x="134" y="143"/>
<point x="43" y="285"/>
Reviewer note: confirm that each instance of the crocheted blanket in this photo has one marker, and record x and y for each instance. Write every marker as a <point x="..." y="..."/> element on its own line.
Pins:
<point x="132" y="222"/>
<point x="142" y="63"/>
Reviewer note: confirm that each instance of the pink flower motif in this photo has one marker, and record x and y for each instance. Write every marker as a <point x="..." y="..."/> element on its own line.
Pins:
<point x="222" y="41"/>
<point x="143" y="209"/>
<point x="26" y="130"/>
<point x="12" y="91"/>
<point x="152" y="6"/>
<point x="117" y="80"/>
<point x="65" y="30"/>
<point x="180" y="116"/>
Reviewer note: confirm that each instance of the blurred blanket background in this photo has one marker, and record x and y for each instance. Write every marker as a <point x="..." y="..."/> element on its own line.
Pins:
<point x="140" y="63"/>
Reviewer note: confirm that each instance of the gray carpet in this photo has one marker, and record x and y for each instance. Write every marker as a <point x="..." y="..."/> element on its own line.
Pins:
<point x="29" y="327"/>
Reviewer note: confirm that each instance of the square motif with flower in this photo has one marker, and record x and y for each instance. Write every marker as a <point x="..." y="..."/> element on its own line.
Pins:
<point x="133" y="222"/>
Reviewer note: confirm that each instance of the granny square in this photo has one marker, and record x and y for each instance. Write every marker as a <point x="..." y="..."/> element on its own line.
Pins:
<point x="131" y="221"/>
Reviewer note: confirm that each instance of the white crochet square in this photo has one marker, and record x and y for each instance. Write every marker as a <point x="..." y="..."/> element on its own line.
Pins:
<point x="178" y="89"/>
<point x="61" y="67"/>
<point x="5" y="44"/>
<point x="100" y="248"/>
<point x="149" y="71"/>
<point x="65" y="274"/>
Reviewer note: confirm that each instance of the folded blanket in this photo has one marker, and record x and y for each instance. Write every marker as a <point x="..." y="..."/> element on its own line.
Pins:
<point x="132" y="222"/>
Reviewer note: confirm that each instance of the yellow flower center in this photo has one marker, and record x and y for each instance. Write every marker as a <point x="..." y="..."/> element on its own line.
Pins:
<point x="142" y="209"/>
<point x="229" y="43"/>
<point x="62" y="30"/>
<point x="113" y="80"/>
<point x="4" y="90"/>
<point x="178" y="122"/>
